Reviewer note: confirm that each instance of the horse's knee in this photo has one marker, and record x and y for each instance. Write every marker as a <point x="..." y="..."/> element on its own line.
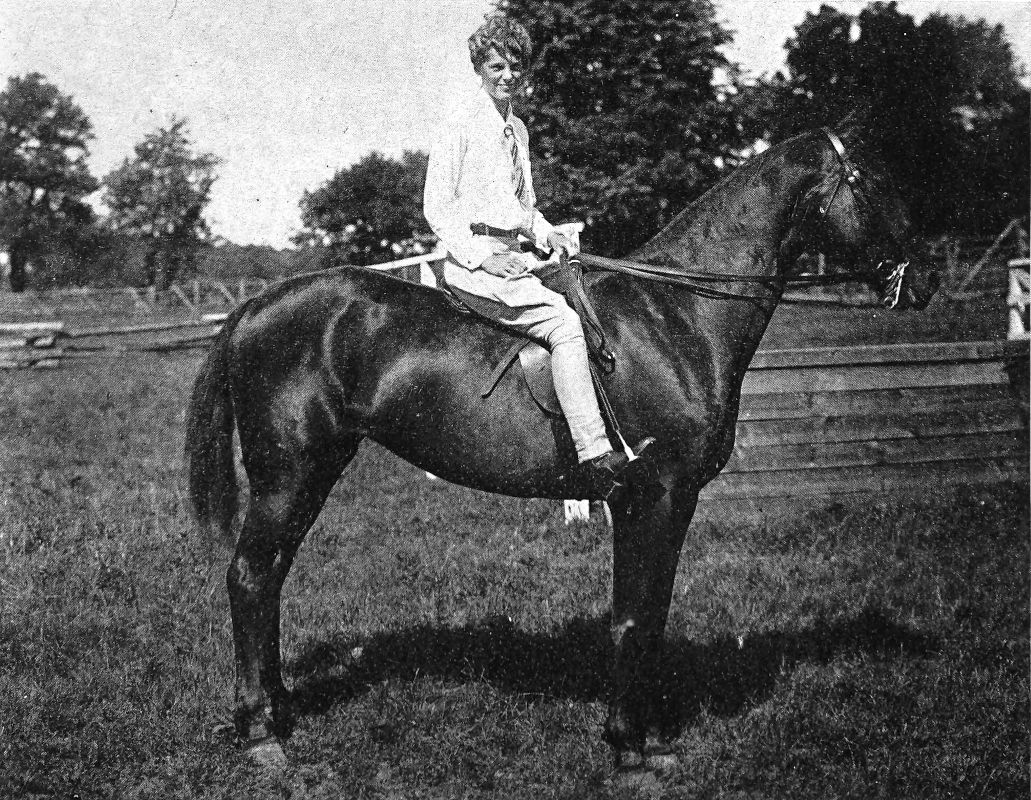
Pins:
<point x="241" y="575"/>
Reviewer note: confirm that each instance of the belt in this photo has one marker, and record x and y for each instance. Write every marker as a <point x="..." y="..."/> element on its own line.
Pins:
<point x="482" y="229"/>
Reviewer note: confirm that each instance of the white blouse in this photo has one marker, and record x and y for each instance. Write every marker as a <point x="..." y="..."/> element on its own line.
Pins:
<point x="469" y="179"/>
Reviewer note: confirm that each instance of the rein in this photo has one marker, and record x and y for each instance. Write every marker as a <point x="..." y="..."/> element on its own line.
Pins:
<point x="700" y="282"/>
<point x="691" y="280"/>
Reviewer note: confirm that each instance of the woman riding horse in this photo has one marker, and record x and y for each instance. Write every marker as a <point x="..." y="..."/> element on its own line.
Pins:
<point x="317" y="363"/>
<point x="478" y="200"/>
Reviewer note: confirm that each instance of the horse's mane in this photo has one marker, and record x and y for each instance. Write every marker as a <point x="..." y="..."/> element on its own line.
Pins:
<point x="717" y="213"/>
<point x="710" y="215"/>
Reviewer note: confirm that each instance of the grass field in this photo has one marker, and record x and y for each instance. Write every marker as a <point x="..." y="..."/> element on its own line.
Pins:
<point x="445" y="643"/>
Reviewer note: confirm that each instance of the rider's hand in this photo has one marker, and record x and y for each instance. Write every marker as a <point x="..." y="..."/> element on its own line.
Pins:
<point x="504" y="265"/>
<point x="560" y="243"/>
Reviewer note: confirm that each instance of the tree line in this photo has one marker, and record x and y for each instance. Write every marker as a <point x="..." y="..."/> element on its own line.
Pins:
<point x="633" y="110"/>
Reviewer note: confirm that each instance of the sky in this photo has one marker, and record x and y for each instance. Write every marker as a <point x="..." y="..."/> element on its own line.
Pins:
<point x="287" y="92"/>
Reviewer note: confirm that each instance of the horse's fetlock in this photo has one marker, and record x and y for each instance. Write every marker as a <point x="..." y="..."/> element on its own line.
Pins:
<point x="620" y="631"/>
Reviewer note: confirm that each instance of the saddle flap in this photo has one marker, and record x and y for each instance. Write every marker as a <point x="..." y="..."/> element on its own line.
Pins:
<point x="536" y="365"/>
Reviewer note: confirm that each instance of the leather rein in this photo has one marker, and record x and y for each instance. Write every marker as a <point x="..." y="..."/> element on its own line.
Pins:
<point x="700" y="283"/>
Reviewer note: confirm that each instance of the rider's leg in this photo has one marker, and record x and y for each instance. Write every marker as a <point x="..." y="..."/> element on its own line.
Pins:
<point x="526" y="305"/>
<point x="575" y="390"/>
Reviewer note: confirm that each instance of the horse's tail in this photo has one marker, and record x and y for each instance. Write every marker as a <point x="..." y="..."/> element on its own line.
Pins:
<point x="209" y="442"/>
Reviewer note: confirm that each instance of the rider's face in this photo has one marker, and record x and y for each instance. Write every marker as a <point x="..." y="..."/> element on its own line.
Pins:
<point x="500" y="76"/>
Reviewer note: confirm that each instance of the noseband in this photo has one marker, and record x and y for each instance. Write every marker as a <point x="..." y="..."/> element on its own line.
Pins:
<point x="849" y="174"/>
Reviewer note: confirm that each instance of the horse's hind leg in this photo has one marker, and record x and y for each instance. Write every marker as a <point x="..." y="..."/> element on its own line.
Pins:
<point x="285" y="499"/>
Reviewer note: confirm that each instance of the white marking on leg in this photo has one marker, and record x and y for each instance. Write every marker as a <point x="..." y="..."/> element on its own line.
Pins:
<point x="619" y="631"/>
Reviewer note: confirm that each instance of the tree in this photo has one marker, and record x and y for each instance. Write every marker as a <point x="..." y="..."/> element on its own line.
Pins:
<point x="43" y="173"/>
<point x="159" y="196"/>
<point x="370" y="212"/>
<point x="627" y="121"/>
<point x="951" y="113"/>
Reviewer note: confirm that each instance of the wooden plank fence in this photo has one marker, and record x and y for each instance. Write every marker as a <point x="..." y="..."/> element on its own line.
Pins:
<point x="830" y="423"/>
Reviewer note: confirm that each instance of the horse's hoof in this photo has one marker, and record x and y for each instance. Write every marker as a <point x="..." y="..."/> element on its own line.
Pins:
<point x="267" y="754"/>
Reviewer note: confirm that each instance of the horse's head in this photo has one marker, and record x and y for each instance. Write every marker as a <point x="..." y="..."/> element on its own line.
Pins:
<point x="853" y="214"/>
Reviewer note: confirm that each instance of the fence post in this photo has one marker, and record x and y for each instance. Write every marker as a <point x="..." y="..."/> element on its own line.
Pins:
<point x="196" y="292"/>
<point x="984" y="259"/>
<point x="224" y="291"/>
<point x="951" y="261"/>
<point x="426" y="276"/>
<point x="137" y="299"/>
<point x="181" y="295"/>
<point x="1018" y="298"/>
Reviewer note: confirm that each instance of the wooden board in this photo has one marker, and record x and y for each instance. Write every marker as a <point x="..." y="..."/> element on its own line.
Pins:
<point x="29" y="328"/>
<point x="864" y="479"/>
<point x="803" y="405"/>
<point x="925" y="353"/>
<point x="874" y="453"/>
<point x="151" y="327"/>
<point x="36" y="362"/>
<point x="41" y="340"/>
<point x="872" y="376"/>
<point x="1001" y="418"/>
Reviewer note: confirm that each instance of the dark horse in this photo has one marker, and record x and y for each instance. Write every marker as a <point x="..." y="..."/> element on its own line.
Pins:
<point x="317" y="363"/>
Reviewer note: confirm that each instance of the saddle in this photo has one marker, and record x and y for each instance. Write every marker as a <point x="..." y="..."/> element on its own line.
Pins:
<point x="534" y="360"/>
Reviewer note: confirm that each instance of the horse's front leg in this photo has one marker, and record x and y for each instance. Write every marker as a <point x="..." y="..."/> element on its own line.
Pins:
<point x="646" y="548"/>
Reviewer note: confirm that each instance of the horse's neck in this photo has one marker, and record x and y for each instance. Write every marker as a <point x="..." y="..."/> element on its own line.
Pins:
<point x="735" y="228"/>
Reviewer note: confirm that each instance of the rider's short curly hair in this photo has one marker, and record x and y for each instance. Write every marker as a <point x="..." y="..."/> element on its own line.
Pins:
<point x="505" y="35"/>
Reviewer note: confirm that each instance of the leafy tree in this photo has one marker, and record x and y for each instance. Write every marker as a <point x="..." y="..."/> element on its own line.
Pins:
<point x="159" y="195"/>
<point x="626" y="118"/>
<point x="370" y="212"/>
<point x="43" y="174"/>
<point x="951" y="113"/>
<point x="227" y="260"/>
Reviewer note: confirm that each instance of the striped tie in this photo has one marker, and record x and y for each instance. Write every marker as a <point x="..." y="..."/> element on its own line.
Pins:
<point x="518" y="178"/>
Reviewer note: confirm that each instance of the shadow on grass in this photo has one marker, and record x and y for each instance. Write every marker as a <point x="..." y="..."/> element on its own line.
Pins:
<point x="573" y="663"/>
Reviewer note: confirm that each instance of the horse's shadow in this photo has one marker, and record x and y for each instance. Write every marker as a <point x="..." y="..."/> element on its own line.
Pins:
<point x="722" y="676"/>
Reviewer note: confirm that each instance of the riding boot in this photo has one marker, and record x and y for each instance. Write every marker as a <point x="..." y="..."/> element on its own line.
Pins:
<point x="604" y="474"/>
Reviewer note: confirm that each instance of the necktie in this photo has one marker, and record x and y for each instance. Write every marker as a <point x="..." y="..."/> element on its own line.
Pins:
<point x="518" y="178"/>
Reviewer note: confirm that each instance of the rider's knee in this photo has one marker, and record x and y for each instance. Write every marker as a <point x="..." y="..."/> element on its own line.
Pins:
<point x="567" y="331"/>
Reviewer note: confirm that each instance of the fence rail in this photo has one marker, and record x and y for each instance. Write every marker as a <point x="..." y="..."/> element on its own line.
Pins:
<point x="971" y="268"/>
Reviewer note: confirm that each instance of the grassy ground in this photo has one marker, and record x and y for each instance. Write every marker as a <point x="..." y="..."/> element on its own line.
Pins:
<point x="444" y="643"/>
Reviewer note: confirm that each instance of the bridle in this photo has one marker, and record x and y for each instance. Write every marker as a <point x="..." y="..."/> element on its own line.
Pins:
<point x="849" y="174"/>
<point x="701" y="283"/>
